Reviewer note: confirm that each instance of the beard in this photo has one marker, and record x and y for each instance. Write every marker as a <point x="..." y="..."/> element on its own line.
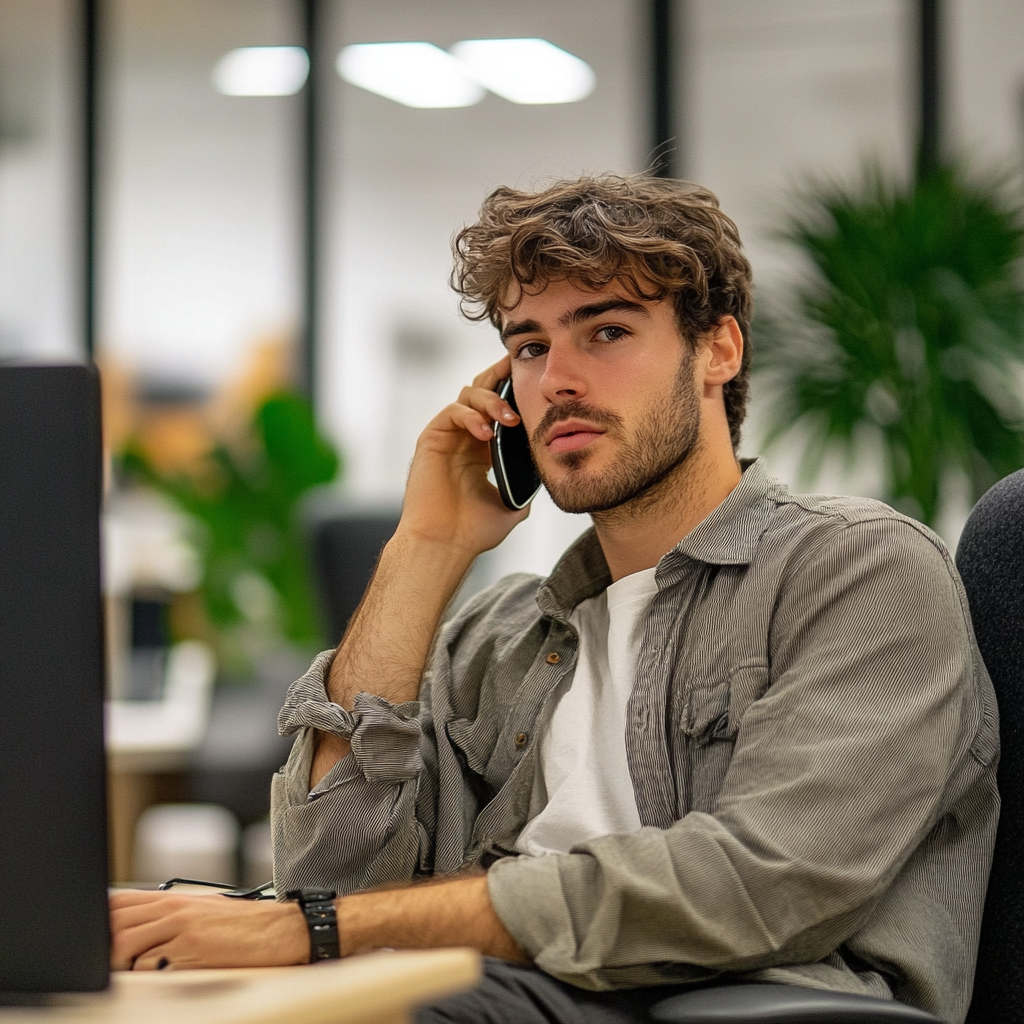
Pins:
<point x="660" y="443"/>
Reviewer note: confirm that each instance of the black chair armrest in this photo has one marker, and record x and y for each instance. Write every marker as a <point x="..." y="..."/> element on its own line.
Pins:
<point x="782" y="1004"/>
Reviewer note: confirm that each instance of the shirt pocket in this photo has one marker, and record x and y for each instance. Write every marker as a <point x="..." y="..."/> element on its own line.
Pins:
<point x="714" y="717"/>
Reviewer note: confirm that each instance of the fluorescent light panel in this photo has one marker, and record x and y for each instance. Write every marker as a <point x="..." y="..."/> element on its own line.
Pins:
<point x="415" y="74"/>
<point x="262" y="71"/>
<point x="526" y="70"/>
<point x="423" y="75"/>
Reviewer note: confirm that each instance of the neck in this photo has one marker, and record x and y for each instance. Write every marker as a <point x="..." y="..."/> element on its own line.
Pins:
<point x="636" y="535"/>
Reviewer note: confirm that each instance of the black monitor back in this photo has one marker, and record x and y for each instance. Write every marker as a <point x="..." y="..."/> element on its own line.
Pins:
<point x="53" y="851"/>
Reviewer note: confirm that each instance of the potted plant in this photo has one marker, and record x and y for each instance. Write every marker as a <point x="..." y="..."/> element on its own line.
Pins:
<point x="243" y="490"/>
<point x="909" y="324"/>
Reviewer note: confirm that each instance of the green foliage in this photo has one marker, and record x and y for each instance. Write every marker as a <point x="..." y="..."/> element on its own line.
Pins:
<point x="910" y="320"/>
<point x="257" y="586"/>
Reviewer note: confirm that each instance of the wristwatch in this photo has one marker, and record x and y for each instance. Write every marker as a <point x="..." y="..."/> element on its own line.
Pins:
<point x="322" y="921"/>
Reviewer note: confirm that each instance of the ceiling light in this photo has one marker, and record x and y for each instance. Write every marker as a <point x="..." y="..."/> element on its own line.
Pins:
<point x="262" y="71"/>
<point x="526" y="70"/>
<point x="416" y="74"/>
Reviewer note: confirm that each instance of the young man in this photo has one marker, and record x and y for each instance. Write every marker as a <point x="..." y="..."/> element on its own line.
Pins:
<point x="736" y="732"/>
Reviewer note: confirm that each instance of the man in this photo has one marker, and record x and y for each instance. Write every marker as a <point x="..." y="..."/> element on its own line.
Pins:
<point x="737" y="733"/>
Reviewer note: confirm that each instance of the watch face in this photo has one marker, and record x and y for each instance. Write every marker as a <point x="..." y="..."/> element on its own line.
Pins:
<point x="310" y="895"/>
<point x="320" y="896"/>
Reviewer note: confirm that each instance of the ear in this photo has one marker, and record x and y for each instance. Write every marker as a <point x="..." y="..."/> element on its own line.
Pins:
<point x="723" y="352"/>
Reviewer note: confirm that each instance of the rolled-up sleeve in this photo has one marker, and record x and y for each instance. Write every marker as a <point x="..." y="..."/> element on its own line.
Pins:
<point x="358" y="827"/>
<point x="841" y="770"/>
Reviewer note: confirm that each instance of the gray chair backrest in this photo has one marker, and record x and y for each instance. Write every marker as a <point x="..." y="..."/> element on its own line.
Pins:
<point x="990" y="558"/>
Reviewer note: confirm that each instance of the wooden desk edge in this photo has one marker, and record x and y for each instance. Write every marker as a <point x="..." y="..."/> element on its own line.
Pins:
<point x="360" y="990"/>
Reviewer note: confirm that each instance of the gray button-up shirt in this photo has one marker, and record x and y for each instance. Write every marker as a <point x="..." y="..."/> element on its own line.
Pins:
<point x="812" y="739"/>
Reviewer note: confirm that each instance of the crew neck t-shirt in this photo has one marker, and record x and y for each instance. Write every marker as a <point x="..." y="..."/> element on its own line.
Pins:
<point x="583" y="787"/>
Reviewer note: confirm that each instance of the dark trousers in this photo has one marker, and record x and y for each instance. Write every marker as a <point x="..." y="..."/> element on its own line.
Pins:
<point x="509" y="994"/>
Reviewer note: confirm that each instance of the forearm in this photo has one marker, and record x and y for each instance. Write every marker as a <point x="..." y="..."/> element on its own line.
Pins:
<point x="154" y="930"/>
<point x="386" y="647"/>
<point x="456" y="912"/>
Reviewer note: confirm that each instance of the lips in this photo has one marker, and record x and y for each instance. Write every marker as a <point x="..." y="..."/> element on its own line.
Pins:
<point x="571" y="435"/>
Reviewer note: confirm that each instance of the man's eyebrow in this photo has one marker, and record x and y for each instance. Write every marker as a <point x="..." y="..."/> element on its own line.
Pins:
<point x="581" y="313"/>
<point x="510" y="330"/>
<point x="576" y="316"/>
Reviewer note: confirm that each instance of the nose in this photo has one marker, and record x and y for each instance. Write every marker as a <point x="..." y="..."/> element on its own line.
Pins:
<point x="563" y="378"/>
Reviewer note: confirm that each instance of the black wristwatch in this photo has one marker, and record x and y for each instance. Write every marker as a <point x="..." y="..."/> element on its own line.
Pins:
<point x="322" y="921"/>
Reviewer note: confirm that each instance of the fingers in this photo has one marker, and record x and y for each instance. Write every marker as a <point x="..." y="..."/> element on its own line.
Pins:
<point x="203" y="931"/>
<point x="476" y="410"/>
<point x="479" y="407"/>
<point x="489" y="405"/>
<point x="482" y="396"/>
<point x="138" y="897"/>
<point x="140" y="921"/>
<point x="159" y="958"/>
<point x="493" y="375"/>
<point x="134" y="943"/>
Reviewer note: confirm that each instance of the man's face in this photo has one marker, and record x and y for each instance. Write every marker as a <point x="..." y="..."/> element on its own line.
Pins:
<point x="605" y="385"/>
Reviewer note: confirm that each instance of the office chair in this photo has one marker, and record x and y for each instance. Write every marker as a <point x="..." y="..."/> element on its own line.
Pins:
<point x="990" y="558"/>
<point x="346" y="545"/>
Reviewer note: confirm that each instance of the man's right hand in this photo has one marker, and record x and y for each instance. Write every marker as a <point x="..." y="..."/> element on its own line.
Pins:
<point x="451" y="513"/>
<point x="448" y="499"/>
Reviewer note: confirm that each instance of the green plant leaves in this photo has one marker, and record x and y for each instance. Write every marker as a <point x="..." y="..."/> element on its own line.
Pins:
<point x="257" y="586"/>
<point x="909" y="320"/>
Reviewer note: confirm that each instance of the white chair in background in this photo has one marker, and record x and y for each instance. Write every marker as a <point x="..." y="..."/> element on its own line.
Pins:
<point x="187" y="841"/>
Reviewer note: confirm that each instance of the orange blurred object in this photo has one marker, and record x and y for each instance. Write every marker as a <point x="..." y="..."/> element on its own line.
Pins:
<point x="177" y="438"/>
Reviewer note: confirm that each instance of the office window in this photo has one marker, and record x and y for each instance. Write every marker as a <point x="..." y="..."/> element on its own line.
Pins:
<point x="39" y="180"/>
<point x="199" y="226"/>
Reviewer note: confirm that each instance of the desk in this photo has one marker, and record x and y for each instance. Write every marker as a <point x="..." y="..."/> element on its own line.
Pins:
<point x="381" y="988"/>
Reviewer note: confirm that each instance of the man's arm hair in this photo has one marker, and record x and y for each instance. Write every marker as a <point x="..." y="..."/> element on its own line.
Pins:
<point x="385" y="648"/>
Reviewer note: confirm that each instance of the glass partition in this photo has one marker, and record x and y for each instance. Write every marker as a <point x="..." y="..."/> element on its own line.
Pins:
<point x="39" y="180"/>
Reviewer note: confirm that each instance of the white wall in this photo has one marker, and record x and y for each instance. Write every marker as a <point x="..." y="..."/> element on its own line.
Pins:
<point x="779" y="93"/>
<point x="985" y="55"/>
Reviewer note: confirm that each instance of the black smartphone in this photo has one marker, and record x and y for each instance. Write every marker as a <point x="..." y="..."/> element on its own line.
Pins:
<point x="514" y="471"/>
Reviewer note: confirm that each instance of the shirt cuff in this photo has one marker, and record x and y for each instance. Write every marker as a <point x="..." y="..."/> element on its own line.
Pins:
<point x="385" y="737"/>
<point x="526" y="893"/>
<point x="307" y="703"/>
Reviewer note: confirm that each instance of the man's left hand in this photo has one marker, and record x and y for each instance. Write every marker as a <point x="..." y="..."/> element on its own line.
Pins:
<point x="156" y="930"/>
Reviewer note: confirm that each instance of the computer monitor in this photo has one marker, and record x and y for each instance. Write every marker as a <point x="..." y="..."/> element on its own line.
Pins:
<point x="54" y="933"/>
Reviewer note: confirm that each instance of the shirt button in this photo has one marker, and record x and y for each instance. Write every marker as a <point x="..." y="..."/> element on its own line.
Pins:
<point x="553" y="658"/>
<point x="521" y="739"/>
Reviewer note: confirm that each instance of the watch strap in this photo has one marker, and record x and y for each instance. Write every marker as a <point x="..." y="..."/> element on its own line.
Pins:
<point x="322" y="921"/>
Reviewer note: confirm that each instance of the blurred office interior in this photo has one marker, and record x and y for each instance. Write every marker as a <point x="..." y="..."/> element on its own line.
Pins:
<point x="240" y="248"/>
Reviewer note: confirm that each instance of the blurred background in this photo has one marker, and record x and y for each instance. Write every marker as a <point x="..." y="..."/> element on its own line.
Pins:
<point x="242" y="210"/>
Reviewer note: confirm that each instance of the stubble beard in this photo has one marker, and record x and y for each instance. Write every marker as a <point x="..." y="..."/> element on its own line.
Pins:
<point x="661" y="442"/>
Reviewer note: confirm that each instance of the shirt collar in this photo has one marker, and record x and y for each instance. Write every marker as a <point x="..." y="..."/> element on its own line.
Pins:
<point x="727" y="536"/>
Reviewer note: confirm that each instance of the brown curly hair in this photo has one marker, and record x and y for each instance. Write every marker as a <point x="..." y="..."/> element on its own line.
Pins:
<point x="661" y="238"/>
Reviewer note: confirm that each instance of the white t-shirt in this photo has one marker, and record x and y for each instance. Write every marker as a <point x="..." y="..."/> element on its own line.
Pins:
<point x="583" y="787"/>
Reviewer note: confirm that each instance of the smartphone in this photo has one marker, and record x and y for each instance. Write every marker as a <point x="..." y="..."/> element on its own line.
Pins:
<point x="514" y="471"/>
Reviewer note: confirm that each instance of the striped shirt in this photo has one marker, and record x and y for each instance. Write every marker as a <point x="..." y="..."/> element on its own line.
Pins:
<point x="812" y="740"/>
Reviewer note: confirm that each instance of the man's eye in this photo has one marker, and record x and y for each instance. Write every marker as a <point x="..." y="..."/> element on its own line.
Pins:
<point x="532" y="350"/>
<point x="610" y="333"/>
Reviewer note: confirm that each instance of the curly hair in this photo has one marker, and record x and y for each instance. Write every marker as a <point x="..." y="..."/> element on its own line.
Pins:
<point x="661" y="238"/>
